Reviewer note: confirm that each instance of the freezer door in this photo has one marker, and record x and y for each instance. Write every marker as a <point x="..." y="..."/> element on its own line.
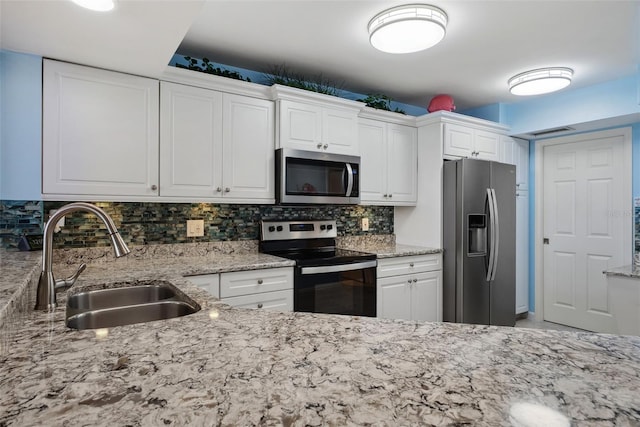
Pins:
<point x="503" y="287"/>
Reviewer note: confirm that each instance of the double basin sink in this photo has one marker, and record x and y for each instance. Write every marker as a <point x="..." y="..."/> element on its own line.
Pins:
<point x="125" y="305"/>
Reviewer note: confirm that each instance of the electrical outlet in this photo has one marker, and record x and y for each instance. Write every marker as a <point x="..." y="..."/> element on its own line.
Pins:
<point x="195" y="228"/>
<point x="365" y="224"/>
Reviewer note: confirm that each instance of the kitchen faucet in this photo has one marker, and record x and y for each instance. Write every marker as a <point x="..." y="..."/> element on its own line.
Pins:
<point x="46" y="294"/>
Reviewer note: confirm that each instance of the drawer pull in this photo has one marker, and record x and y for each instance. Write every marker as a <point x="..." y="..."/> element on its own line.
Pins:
<point x="259" y="281"/>
<point x="260" y="305"/>
<point x="410" y="264"/>
<point x="409" y="281"/>
<point x="415" y="280"/>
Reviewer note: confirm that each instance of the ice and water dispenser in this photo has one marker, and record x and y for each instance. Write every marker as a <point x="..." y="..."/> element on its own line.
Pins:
<point x="477" y="228"/>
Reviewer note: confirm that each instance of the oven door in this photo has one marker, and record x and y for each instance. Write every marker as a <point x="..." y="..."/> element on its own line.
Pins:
<point x="337" y="289"/>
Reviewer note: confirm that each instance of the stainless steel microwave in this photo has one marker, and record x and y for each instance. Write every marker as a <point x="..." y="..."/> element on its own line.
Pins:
<point x="314" y="177"/>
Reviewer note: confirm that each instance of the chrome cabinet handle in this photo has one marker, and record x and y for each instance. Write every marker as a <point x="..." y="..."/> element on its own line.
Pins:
<point x="325" y="146"/>
<point x="219" y="190"/>
<point x="259" y="281"/>
<point x="386" y="195"/>
<point x="227" y="189"/>
<point x="390" y="195"/>
<point x="409" y="281"/>
<point x="154" y="187"/>
<point x="319" y="145"/>
<point x="260" y="305"/>
<point x="415" y="280"/>
<point x="410" y="264"/>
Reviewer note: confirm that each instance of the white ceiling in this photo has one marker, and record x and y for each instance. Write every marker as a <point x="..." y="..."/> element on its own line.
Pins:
<point x="486" y="43"/>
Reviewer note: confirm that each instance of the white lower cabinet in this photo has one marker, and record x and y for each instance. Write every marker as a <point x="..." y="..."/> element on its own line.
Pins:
<point x="208" y="282"/>
<point x="270" y="288"/>
<point x="277" y="301"/>
<point x="410" y="288"/>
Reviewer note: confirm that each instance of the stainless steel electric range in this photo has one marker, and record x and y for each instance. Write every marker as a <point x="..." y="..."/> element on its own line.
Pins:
<point x="327" y="279"/>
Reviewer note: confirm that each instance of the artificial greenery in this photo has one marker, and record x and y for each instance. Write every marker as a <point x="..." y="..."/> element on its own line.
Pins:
<point x="380" y="102"/>
<point x="281" y="75"/>
<point x="207" y="67"/>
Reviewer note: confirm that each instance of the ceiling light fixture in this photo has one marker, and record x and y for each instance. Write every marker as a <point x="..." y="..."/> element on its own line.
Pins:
<point x="406" y="29"/>
<point x="542" y="80"/>
<point x="97" y="5"/>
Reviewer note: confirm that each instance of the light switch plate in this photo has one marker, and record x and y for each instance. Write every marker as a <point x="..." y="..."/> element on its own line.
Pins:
<point x="365" y="224"/>
<point x="195" y="228"/>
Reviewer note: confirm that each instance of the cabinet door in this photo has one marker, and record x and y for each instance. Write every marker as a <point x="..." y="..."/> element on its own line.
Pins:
<point x="300" y="126"/>
<point x="458" y="140"/>
<point x="522" y="252"/>
<point x="402" y="158"/>
<point x="508" y="150"/>
<point x="99" y="132"/>
<point x="208" y="282"/>
<point x="521" y="156"/>
<point x="486" y="145"/>
<point x="340" y="131"/>
<point x="276" y="301"/>
<point x="426" y="296"/>
<point x="248" y="149"/>
<point x="190" y="142"/>
<point x="373" y="161"/>
<point x="393" y="300"/>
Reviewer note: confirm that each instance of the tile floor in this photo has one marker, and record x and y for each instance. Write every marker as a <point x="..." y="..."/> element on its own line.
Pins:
<point x="532" y="322"/>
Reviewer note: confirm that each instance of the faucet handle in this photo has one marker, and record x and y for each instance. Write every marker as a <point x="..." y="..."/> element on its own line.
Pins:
<point x="64" y="284"/>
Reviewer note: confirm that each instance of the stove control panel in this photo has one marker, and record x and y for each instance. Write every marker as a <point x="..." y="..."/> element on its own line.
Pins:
<point x="288" y="230"/>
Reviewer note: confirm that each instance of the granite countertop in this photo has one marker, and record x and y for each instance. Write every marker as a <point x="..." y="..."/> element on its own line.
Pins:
<point x="632" y="271"/>
<point x="228" y="366"/>
<point x="383" y="246"/>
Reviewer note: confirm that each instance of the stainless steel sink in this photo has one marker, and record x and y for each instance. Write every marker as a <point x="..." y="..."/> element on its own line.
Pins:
<point x="146" y="302"/>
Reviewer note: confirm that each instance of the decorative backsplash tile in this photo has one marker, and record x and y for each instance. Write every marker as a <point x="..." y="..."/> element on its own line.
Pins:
<point x="163" y="223"/>
<point x="17" y="218"/>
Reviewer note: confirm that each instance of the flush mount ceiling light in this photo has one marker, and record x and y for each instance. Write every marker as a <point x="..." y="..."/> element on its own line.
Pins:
<point x="97" y="5"/>
<point x="406" y="29"/>
<point x="543" y="80"/>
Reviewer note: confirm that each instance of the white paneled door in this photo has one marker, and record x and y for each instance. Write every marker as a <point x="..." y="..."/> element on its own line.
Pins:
<point x="585" y="182"/>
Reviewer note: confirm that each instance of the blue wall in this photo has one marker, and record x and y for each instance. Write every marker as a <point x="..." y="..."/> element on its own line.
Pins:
<point x="21" y="127"/>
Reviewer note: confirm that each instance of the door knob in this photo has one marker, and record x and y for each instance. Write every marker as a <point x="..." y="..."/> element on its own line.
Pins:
<point x="545" y="241"/>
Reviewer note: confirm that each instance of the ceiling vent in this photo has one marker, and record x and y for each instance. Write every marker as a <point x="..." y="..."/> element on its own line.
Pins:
<point x="550" y="131"/>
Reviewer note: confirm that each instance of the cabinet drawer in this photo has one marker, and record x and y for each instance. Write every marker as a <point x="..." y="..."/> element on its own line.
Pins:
<point x="277" y="301"/>
<point x="409" y="264"/>
<point x="208" y="282"/>
<point x="255" y="281"/>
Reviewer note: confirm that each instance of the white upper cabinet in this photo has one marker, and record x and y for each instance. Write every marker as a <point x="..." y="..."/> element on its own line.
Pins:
<point x="467" y="141"/>
<point x="388" y="163"/>
<point x="248" y="151"/>
<point x="190" y="141"/>
<point x="316" y="122"/>
<point x="515" y="151"/>
<point x="100" y="133"/>
<point x="317" y="128"/>
<point x="216" y="146"/>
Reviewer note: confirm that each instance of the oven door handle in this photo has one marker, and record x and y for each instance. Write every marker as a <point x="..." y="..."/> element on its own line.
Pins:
<point x="339" y="268"/>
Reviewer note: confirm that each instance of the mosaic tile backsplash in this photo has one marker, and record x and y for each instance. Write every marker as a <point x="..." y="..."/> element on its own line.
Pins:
<point x="162" y="223"/>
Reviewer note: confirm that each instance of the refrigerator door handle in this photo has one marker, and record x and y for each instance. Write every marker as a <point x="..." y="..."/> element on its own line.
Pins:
<point x="492" y="235"/>
<point x="496" y="236"/>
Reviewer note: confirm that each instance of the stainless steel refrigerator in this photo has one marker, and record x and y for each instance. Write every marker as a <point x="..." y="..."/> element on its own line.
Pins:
<point x="479" y="232"/>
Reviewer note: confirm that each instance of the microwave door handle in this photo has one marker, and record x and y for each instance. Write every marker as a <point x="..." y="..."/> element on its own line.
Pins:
<point x="349" y="179"/>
